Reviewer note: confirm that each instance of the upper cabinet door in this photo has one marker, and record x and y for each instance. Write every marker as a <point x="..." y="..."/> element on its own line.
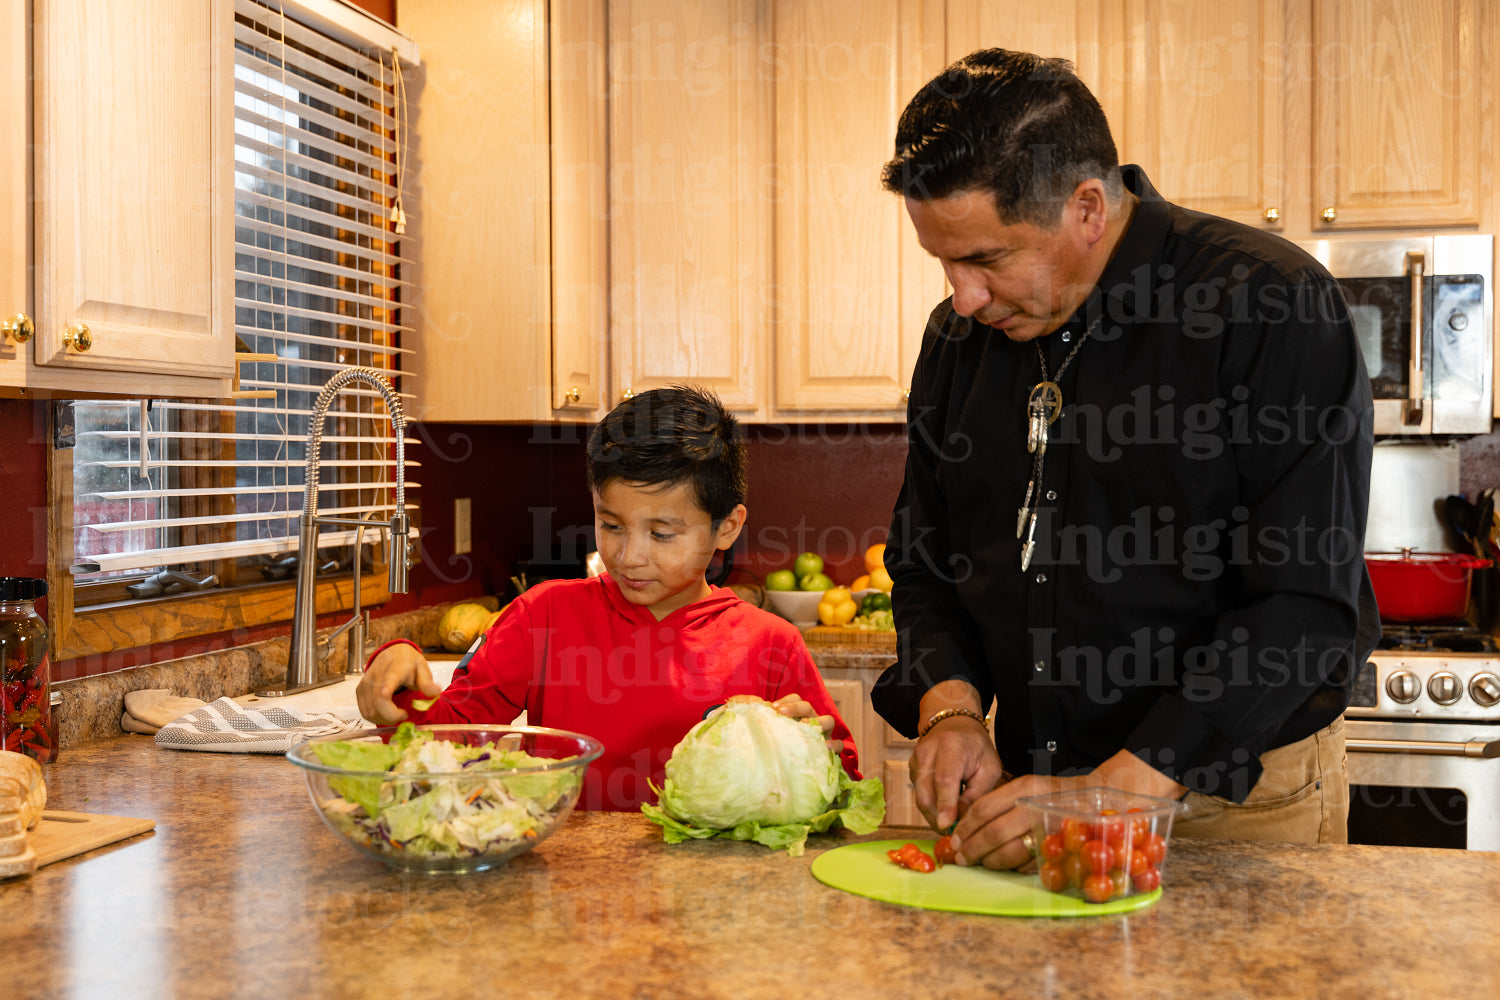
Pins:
<point x="15" y="197"/>
<point x="690" y="237"/>
<point x="853" y="288"/>
<point x="134" y="178"/>
<point x="1397" y="132"/>
<point x="1203" y="107"/>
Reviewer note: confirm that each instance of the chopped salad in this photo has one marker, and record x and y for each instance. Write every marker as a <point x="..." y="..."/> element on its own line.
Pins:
<point x="452" y="816"/>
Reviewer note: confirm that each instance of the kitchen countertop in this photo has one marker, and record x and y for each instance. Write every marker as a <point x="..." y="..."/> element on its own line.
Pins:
<point x="242" y="890"/>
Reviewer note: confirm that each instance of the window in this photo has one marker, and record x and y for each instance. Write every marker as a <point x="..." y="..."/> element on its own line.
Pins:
<point x="171" y="496"/>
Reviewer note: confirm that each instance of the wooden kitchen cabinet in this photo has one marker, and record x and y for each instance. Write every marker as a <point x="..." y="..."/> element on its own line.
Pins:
<point x="883" y="752"/>
<point x="117" y="217"/>
<point x="690" y="221"/>
<point x="852" y="287"/>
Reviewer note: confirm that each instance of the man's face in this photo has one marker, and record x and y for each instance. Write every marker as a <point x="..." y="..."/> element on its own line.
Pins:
<point x="1020" y="279"/>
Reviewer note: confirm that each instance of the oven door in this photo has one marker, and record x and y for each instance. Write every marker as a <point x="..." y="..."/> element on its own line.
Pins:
<point x="1424" y="784"/>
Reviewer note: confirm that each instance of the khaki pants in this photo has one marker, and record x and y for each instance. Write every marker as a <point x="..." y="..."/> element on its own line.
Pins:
<point x="1302" y="795"/>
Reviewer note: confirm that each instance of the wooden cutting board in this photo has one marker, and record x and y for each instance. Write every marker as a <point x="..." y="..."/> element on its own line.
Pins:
<point x="58" y="834"/>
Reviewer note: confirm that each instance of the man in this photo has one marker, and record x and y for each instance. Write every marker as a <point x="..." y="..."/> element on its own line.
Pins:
<point x="1134" y="504"/>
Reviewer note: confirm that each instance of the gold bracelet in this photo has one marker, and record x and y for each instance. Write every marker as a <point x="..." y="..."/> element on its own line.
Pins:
<point x="949" y="713"/>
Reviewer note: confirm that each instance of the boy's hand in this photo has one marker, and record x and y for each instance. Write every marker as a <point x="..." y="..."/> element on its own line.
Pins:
<point x="400" y="666"/>
<point x="795" y="707"/>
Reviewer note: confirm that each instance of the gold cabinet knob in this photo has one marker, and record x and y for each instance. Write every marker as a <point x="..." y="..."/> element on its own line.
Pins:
<point x="573" y="395"/>
<point x="78" y="337"/>
<point x="1273" y="214"/>
<point x="627" y="394"/>
<point x="1330" y="214"/>
<point x="18" y="328"/>
<point x="906" y="395"/>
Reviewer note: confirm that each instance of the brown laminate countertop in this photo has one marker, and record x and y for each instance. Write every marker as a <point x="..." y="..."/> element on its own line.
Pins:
<point x="241" y="891"/>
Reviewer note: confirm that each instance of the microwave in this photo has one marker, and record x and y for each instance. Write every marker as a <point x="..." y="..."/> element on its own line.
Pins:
<point x="1422" y="309"/>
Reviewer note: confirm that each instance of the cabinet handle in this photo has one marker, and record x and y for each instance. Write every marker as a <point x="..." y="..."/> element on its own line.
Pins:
<point x="906" y="395"/>
<point x="1330" y="214"/>
<point x="18" y="328"/>
<point x="572" y="395"/>
<point x="626" y="394"/>
<point x="78" y="337"/>
<point x="1273" y="214"/>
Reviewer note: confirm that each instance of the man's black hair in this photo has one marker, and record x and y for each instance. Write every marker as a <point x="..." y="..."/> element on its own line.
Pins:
<point x="1022" y="127"/>
<point x="679" y="433"/>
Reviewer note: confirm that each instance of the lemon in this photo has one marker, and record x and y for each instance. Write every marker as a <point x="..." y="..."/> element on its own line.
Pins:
<point x="881" y="580"/>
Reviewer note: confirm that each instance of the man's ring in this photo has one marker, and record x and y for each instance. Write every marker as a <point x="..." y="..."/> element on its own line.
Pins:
<point x="1028" y="842"/>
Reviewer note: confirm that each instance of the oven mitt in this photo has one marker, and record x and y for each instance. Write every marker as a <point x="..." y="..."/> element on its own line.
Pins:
<point x="148" y="710"/>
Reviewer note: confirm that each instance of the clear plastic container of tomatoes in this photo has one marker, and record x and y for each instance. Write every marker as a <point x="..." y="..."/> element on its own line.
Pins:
<point x="1100" y="843"/>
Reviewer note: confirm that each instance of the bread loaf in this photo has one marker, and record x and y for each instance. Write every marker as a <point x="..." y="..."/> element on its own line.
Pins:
<point x="22" y="789"/>
<point x="18" y="864"/>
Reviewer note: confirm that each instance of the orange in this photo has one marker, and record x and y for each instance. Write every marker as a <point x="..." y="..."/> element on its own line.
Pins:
<point x="875" y="557"/>
<point x="860" y="583"/>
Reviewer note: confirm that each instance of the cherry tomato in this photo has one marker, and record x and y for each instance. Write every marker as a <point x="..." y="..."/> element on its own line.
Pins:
<point x="1053" y="847"/>
<point x="1138" y="863"/>
<point x="1154" y="847"/>
<point x="1112" y="831"/>
<point x="1075" y="869"/>
<point x="1146" y="880"/>
<point x="921" y="862"/>
<point x="942" y="851"/>
<point x="1119" y="883"/>
<point x="1097" y="855"/>
<point x="1098" y="888"/>
<point x="1053" y="878"/>
<point x="1075" y="833"/>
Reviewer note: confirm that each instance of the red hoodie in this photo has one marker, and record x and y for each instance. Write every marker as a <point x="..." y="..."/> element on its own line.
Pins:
<point x="576" y="655"/>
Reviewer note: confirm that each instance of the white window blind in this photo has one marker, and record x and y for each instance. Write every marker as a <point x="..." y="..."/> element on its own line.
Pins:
<point x="317" y="285"/>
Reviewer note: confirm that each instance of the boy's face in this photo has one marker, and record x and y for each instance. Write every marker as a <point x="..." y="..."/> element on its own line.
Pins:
<point x="657" y="542"/>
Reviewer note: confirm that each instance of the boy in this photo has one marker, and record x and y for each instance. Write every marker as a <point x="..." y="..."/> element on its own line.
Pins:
<point x="637" y="656"/>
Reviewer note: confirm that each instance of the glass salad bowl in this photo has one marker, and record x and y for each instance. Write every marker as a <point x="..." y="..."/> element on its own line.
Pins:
<point x="446" y="797"/>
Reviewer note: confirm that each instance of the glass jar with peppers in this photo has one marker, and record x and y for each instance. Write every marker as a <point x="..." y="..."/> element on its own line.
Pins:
<point x="25" y="674"/>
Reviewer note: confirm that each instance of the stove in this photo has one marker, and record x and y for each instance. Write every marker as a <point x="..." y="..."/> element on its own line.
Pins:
<point x="1423" y="737"/>
<point x="1432" y="673"/>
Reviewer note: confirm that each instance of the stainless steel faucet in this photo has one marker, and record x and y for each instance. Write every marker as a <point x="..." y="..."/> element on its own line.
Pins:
<point x="308" y="651"/>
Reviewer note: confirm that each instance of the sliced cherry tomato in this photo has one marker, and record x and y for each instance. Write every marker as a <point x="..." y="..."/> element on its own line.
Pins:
<point x="922" y="862"/>
<point x="1096" y="854"/>
<point x="1098" y="888"/>
<point x="1053" y="847"/>
<point x="942" y="851"/>
<point x="1147" y="880"/>
<point x="1053" y="878"/>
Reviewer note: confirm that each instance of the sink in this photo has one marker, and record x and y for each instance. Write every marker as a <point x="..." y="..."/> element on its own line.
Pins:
<point x="340" y="697"/>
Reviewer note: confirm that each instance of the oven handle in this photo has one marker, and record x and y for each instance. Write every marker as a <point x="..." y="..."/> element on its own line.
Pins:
<point x="1487" y="749"/>
<point x="1416" y="263"/>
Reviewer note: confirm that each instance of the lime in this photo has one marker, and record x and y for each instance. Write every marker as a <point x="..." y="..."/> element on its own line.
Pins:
<point x="781" y="579"/>
<point x="815" y="581"/>
<point x="807" y="564"/>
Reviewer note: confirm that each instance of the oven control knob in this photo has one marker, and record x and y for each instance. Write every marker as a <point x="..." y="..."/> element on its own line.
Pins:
<point x="1403" y="687"/>
<point x="1458" y="321"/>
<point x="1444" y="687"/>
<point x="1485" y="690"/>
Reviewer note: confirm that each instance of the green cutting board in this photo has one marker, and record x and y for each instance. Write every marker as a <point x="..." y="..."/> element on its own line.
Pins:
<point x="865" y="870"/>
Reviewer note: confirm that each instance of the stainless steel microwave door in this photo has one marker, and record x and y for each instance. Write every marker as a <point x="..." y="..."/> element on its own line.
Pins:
<point x="1457" y="355"/>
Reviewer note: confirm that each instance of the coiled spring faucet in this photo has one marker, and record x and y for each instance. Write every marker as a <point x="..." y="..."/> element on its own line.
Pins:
<point x="308" y="650"/>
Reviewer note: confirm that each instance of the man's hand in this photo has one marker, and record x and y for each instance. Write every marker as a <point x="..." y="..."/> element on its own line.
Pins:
<point x="991" y="830"/>
<point x="399" y="666"/>
<point x="954" y="763"/>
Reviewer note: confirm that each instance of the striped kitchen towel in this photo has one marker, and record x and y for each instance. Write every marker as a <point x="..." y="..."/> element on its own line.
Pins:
<point x="226" y="727"/>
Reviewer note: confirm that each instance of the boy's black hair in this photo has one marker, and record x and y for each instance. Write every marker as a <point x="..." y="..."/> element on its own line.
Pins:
<point x="679" y="433"/>
<point x="1019" y="126"/>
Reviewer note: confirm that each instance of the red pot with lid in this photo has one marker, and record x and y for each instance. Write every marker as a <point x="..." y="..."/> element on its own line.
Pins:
<point x="1422" y="587"/>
